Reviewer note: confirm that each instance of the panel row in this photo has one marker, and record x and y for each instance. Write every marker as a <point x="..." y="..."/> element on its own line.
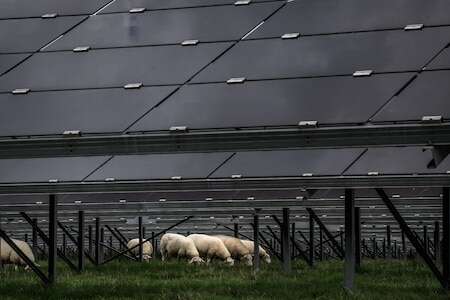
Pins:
<point x="323" y="162"/>
<point x="328" y="100"/>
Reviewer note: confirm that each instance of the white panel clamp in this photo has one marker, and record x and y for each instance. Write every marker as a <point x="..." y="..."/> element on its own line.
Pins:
<point x="178" y="128"/>
<point x="308" y="123"/>
<point x="53" y="181"/>
<point x="236" y="80"/>
<point x="81" y="49"/>
<point x="39" y="203"/>
<point x="109" y="179"/>
<point x="413" y="27"/>
<point x="209" y="199"/>
<point x="374" y="173"/>
<point x="431" y="119"/>
<point x="307" y="174"/>
<point x="136" y="10"/>
<point x="362" y="73"/>
<point x="236" y="176"/>
<point x="250" y="198"/>
<point x="162" y="200"/>
<point x="176" y="177"/>
<point x="49" y="16"/>
<point x="78" y="202"/>
<point x="290" y="35"/>
<point x="20" y="91"/>
<point x="242" y="2"/>
<point x="299" y="198"/>
<point x="70" y="133"/>
<point x="189" y="42"/>
<point x="135" y="85"/>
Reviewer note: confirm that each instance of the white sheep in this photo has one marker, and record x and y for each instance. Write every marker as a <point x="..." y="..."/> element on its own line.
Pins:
<point x="9" y="256"/>
<point x="237" y="249"/>
<point x="262" y="252"/>
<point x="211" y="247"/>
<point x="177" y="245"/>
<point x="147" y="249"/>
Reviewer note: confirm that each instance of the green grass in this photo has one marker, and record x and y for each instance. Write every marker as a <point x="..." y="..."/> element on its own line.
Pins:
<point x="174" y="280"/>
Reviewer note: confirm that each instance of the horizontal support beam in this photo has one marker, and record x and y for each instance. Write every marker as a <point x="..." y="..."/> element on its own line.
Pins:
<point x="434" y="180"/>
<point x="228" y="140"/>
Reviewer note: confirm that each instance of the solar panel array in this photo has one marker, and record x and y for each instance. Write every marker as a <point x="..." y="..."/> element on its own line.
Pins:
<point x="119" y="67"/>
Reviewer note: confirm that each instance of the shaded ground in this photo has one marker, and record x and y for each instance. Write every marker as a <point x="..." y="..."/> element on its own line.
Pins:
<point x="173" y="280"/>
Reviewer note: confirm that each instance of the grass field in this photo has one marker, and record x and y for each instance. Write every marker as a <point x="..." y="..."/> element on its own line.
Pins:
<point x="173" y="280"/>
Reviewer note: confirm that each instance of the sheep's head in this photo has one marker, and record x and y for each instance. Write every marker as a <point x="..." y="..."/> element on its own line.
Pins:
<point x="229" y="261"/>
<point x="146" y="257"/>
<point x="196" y="260"/>
<point x="248" y="259"/>
<point x="267" y="258"/>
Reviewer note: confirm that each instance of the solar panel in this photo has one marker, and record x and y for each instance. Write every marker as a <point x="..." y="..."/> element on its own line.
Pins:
<point x="426" y="96"/>
<point x="160" y="166"/>
<point x="274" y="103"/>
<point x="32" y="34"/>
<point x="45" y="169"/>
<point x="33" y="8"/>
<point x="330" y="16"/>
<point x="288" y="163"/>
<point x="442" y="61"/>
<point x="383" y="51"/>
<point x="166" y="27"/>
<point x="126" y="5"/>
<point x="8" y="61"/>
<point x="110" y="67"/>
<point x="90" y="111"/>
<point x="396" y="160"/>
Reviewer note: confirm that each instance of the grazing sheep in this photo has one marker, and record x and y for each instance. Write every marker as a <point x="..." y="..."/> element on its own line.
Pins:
<point x="211" y="247"/>
<point x="262" y="252"/>
<point x="177" y="245"/>
<point x="237" y="249"/>
<point x="9" y="256"/>
<point x="147" y="249"/>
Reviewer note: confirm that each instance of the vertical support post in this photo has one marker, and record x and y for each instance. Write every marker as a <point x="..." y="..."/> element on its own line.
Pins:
<point x="320" y="244"/>
<point x="97" y="241"/>
<point x="388" y="241"/>
<point x="110" y="246"/>
<point x="425" y="239"/>
<point x="34" y="237"/>
<point x="285" y="239"/>
<point x="256" y="258"/>
<point x="52" y="238"/>
<point x="154" y="243"/>
<point x="90" y="238"/>
<point x="311" y="240"/>
<point x="437" y="242"/>
<point x="395" y="249"/>
<point x="403" y="243"/>
<point x="1" y="260"/>
<point x="293" y="239"/>
<point x="349" y="268"/>
<point x="357" y="238"/>
<point x="80" y="241"/>
<point x="102" y="242"/>
<point x="384" y="248"/>
<point x="26" y="237"/>
<point x="64" y="244"/>
<point x="374" y="247"/>
<point x="446" y="235"/>
<point x="140" y="234"/>
<point x="236" y="230"/>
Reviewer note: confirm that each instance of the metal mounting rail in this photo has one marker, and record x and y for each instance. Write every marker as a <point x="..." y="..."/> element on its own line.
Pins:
<point x="418" y="134"/>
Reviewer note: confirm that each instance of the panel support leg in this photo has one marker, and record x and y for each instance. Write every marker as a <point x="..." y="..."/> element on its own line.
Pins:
<point x="357" y="238"/>
<point x="285" y="237"/>
<point x="256" y="258"/>
<point x="80" y="241"/>
<point x="52" y="239"/>
<point x="349" y="275"/>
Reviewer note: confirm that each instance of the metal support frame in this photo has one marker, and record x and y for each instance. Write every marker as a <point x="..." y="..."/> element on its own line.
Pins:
<point x="46" y="240"/>
<point x="403" y="243"/>
<point x="236" y="229"/>
<point x="140" y="237"/>
<point x="285" y="237"/>
<point x="388" y="241"/>
<point x="425" y="239"/>
<point x="34" y="236"/>
<point x="102" y="244"/>
<point x="90" y="239"/>
<point x="122" y="243"/>
<point x="64" y="244"/>
<point x="256" y="258"/>
<point x="442" y="277"/>
<point x="97" y="241"/>
<point x="437" y="242"/>
<point x="311" y="240"/>
<point x="153" y="239"/>
<point x="446" y="237"/>
<point x="350" y="262"/>
<point x="76" y="242"/>
<point x="129" y="250"/>
<point x="338" y="249"/>
<point x="52" y="238"/>
<point x="80" y="245"/>
<point x="320" y="244"/>
<point x="293" y="254"/>
<point x="357" y="238"/>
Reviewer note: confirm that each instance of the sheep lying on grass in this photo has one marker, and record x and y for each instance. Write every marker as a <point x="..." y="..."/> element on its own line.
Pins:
<point x="211" y="247"/>
<point x="9" y="256"/>
<point x="179" y="246"/>
<point x="262" y="252"/>
<point x="237" y="249"/>
<point x="147" y="249"/>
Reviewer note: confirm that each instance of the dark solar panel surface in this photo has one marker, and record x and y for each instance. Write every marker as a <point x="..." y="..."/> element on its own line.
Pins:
<point x="8" y="61"/>
<point x="331" y="16"/>
<point x="204" y="24"/>
<point x="442" y="61"/>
